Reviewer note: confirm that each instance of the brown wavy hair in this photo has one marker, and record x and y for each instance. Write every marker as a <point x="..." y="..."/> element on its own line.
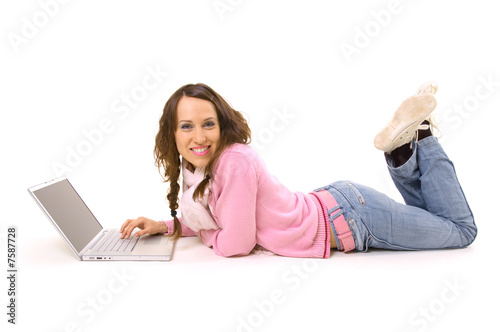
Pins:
<point x="233" y="129"/>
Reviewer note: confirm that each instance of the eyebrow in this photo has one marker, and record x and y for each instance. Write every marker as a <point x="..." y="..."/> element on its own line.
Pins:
<point x="189" y="121"/>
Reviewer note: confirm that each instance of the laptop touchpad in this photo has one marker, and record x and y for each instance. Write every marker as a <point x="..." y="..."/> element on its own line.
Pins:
<point x="153" y="239"/>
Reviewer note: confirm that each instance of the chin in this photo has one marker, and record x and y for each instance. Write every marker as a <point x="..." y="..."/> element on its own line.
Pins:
<point x="198" y="163"/>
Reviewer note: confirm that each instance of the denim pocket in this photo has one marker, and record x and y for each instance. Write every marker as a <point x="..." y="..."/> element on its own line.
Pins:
<point x="360" y="197"/>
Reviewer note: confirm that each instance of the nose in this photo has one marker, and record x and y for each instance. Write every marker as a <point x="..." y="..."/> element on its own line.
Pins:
<point x="199" y="136"/>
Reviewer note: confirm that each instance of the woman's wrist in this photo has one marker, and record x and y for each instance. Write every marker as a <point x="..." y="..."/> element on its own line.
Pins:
<point x="163" y="228"/>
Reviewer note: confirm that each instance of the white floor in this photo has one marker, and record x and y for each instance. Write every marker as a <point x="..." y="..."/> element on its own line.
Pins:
<point x="399" y="291"/>
<point x="84" y="85"/>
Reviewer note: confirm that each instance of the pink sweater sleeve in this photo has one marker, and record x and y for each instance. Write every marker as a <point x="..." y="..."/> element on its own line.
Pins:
<point x="236" y="196"/>
<point x="186" y="231"/>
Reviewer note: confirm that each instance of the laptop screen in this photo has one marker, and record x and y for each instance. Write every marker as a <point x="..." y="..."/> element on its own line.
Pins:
<point x="65" y="207"/>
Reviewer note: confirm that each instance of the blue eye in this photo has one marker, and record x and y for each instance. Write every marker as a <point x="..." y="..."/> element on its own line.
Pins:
<point x="209" y="124"/>
<point x="186" y="126"/>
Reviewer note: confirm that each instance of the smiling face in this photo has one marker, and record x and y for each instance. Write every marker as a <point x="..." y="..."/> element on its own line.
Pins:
<point x="197" y="133"/>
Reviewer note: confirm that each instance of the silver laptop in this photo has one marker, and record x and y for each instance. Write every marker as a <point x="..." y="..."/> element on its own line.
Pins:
<point x="84" y="234"/>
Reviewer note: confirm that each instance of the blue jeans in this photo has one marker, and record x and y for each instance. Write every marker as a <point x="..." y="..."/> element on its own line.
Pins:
<point x="436" y="214"/>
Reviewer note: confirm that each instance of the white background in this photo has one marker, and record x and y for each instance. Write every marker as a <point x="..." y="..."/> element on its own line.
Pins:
<point x="67" y="67"/>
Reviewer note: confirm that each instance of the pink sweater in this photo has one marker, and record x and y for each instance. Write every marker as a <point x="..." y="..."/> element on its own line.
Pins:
<point x="252" y="207"/>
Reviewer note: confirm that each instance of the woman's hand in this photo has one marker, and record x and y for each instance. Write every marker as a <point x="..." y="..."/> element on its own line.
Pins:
<point x="146" y="225"/>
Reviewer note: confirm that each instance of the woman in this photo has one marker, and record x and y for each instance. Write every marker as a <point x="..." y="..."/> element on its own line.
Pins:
<point x="233" y="203"/>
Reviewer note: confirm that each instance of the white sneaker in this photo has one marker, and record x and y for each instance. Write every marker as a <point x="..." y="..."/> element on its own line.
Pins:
<point x="430" y="87"/>
<point x="407" y="119"/>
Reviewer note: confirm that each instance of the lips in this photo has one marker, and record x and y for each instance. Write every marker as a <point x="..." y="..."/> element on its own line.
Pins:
<point x="200" y="150"/>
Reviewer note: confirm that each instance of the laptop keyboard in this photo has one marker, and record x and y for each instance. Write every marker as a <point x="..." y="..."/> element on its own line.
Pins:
<point x="113" y="243"/>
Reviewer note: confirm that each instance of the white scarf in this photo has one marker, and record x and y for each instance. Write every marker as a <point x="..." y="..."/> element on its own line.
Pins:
<point x="195" y="213"/>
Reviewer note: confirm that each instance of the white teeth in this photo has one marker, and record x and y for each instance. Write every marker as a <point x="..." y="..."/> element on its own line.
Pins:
<point x="200" y="150"/>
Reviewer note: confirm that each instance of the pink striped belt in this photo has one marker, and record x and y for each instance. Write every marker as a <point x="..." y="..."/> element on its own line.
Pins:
<point x="344" y="234"/>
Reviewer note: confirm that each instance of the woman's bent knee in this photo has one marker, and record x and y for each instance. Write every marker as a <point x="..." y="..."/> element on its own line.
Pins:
<point x="468" y="232"/>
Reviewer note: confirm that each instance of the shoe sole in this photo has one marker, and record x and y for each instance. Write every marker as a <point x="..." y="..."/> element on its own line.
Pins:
<point x="405" y="121"/>
<point x="429" y="87"/>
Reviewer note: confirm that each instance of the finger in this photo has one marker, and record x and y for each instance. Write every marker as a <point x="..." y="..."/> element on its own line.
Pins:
<point x="128" y="229"/>
<point x="143" y="231"/>
<point x="123" y="228"/>
<point x="126" y="233"/>
<point x="129" y="226"/>
<point x="125" y="224"/>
